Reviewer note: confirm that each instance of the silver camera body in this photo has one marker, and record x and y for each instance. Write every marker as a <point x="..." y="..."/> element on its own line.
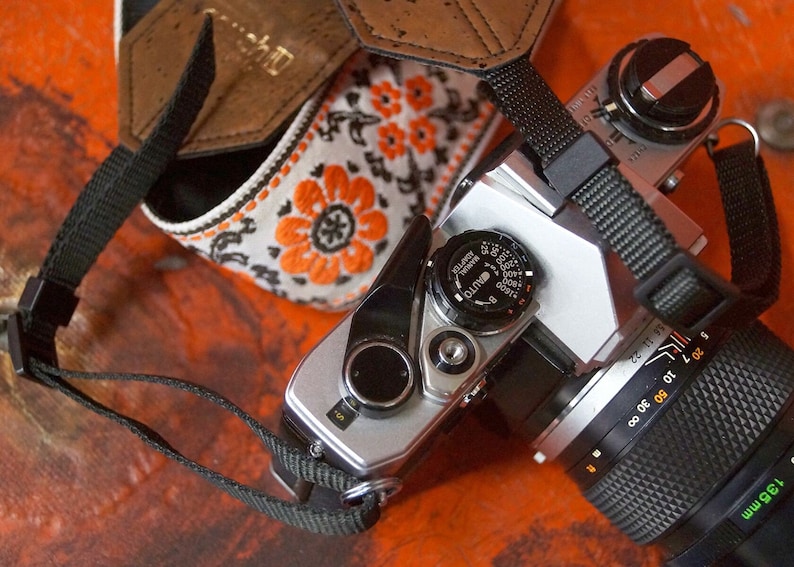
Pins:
<point x="510" y="256"/>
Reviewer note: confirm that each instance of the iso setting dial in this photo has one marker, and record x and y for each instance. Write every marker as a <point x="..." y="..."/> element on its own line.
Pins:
<point x="481" y="280"/>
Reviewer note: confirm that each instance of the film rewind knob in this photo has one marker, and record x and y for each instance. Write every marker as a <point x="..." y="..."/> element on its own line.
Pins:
<point x="663" y="90"/>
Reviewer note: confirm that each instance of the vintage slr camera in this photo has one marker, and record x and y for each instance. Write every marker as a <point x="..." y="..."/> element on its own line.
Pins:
<point x="685" y="441"/>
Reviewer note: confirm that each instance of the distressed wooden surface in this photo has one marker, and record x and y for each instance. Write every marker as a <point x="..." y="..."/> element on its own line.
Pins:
<point x="78" y="490"/>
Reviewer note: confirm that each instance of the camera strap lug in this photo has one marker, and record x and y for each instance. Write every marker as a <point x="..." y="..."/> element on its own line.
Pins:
<point x="383" y="488"/>
<point x="713" y="139"/>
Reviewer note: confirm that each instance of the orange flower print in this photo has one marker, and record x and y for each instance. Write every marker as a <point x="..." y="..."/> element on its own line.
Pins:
<point x="386" y="99"/>
<point x="391" y="140"/>
<point x="423" y="134"/>
<point x="419" y="92"/>
<point x="335" y="229"/>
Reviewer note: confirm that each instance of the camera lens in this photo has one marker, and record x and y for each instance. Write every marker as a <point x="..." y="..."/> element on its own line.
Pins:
<point x="683" y="442"/>
<point x="705" y="460"/>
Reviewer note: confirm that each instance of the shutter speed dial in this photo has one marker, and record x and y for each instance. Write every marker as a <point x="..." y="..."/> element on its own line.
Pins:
<point x="481" y="280"/>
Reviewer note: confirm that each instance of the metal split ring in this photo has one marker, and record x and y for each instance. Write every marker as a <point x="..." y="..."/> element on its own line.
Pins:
<point x="385" y="488"/>
<point x="713" y="139"/>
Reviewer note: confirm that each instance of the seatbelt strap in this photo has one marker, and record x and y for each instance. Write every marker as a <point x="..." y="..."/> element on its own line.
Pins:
<point x="48" y="301"/>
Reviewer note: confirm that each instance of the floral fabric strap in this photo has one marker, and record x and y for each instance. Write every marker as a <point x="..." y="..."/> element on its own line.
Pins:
<point x="384" y="141"/>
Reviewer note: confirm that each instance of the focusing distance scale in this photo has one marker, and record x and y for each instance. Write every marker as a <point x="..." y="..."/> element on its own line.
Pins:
<point x="734" y="402"/>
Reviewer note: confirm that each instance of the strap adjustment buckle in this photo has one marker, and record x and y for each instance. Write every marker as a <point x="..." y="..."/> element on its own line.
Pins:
<point x="686" y="294"/>
<point x="45" y="305"/>
<point x="578" y="163"/>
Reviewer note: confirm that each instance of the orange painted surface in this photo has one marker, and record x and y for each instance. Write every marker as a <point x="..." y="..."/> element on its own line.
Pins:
<point x="78" y="490"/>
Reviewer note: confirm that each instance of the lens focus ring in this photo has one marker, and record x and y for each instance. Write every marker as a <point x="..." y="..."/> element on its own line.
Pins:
<point x="701" y="438"/>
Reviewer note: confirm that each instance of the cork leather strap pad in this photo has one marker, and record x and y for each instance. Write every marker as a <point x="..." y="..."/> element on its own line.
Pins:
<point x="469" y="35"/>
<point x="271" y="57"/>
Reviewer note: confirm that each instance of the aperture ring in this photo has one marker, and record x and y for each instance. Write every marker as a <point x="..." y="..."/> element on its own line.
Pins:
<point x="701" y="438"/>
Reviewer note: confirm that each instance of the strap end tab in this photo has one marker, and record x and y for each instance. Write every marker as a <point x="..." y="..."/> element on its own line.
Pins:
<point x="48" y="301"/>
<point x="23" y="347"/>
<point x="45" y="305"/>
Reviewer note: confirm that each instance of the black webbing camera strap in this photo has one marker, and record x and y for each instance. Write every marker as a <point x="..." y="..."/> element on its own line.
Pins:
<point x="674" y="286"/>
<point x="622" y="217"/>
<point x="115" y="189"/>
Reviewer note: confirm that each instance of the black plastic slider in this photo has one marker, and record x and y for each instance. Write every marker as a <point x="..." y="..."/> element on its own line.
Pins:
<point x="686" y="294"/>
<point x="44" y="305"/>
<point x="577" y="164"/>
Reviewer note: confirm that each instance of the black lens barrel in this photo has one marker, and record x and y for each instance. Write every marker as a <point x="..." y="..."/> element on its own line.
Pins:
<point x="717" y="427"/>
